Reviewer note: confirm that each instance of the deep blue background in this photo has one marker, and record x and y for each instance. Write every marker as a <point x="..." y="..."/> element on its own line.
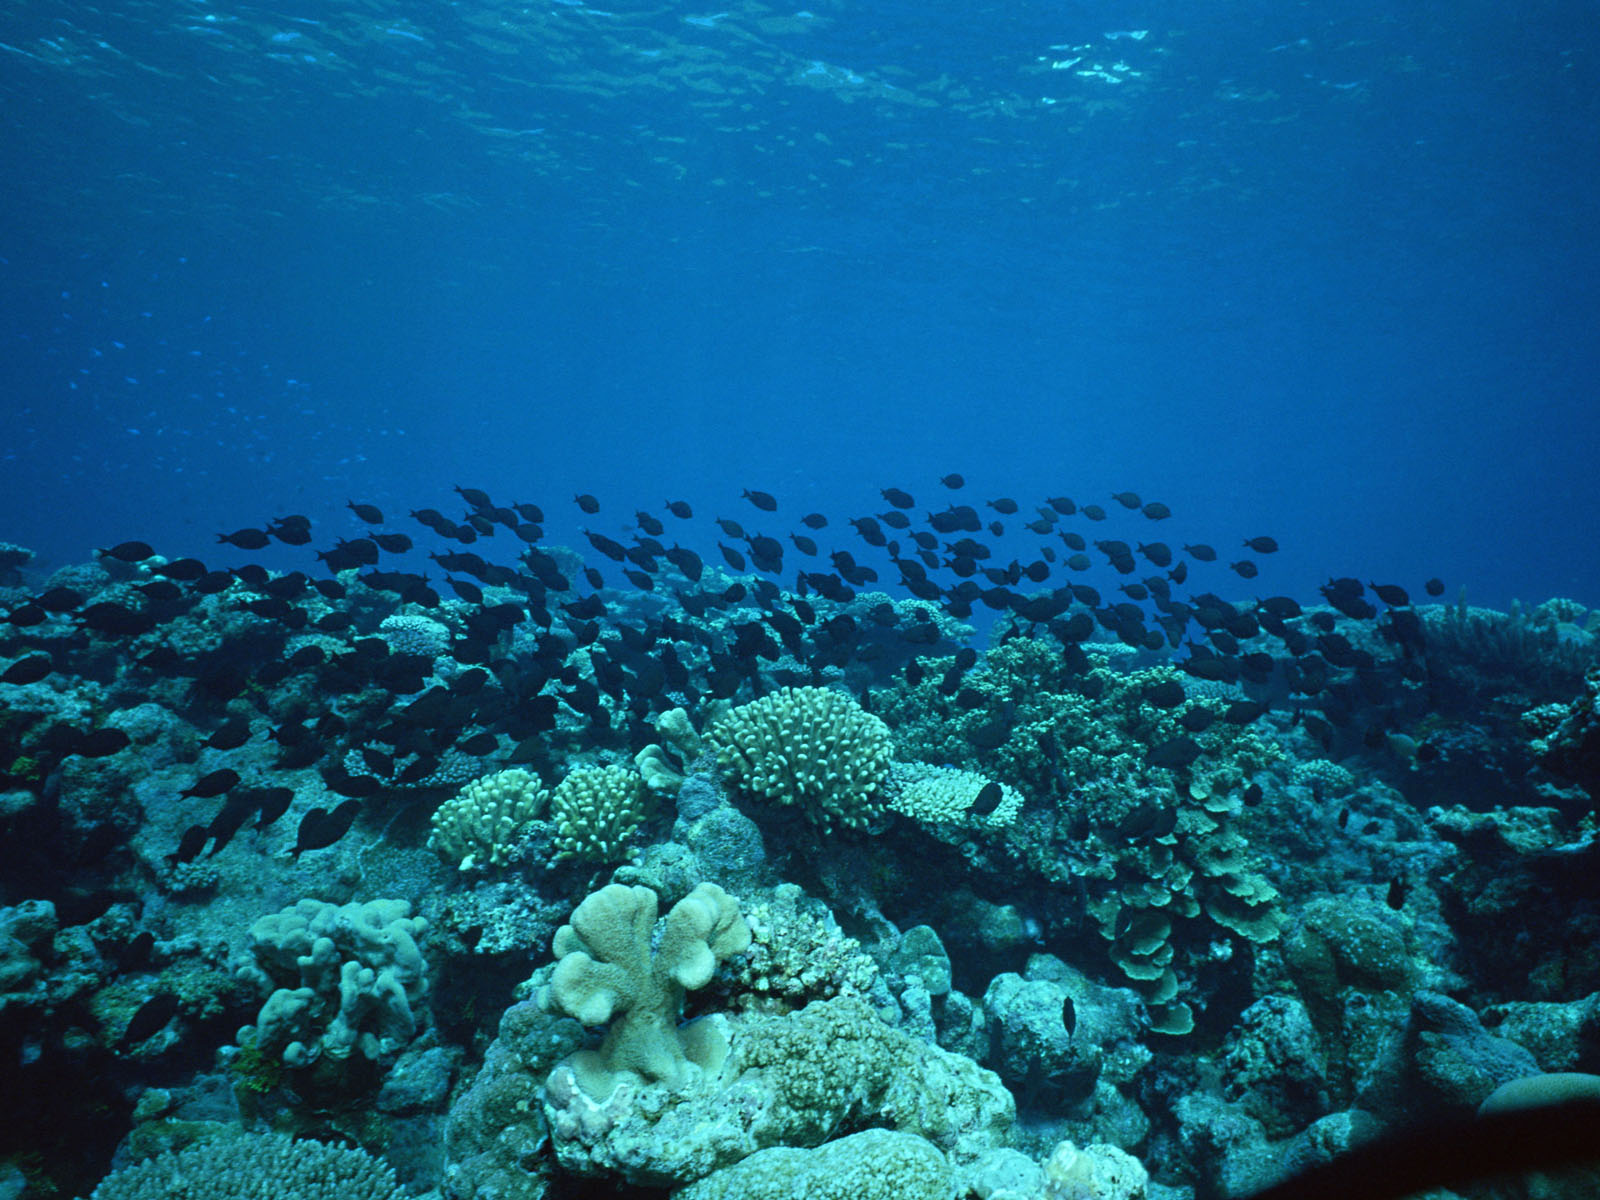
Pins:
<point x="1322" y="271"/>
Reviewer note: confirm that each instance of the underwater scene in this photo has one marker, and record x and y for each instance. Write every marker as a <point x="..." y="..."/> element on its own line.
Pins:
<point x="871" y="602"/>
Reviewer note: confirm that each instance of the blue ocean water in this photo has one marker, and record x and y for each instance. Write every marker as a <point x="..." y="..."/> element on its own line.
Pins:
<point x="1164" y="864"/>
<point x="1324" y="272"/>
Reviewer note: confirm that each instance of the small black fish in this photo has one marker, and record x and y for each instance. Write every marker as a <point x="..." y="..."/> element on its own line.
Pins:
<point x="896" y="497"/>
<point x="1391" y="594"/>
<point x="212" y="784"/>
<point x="190" y="844"/>
<point x="370" y="513"/>
<point x="987" y="800"/>
<point x="27" y="670"/>
<point x="320" y="828"/>
<point x="1069" y="1015"/>
<point x="587" y="503"/>
<point x="245" y="539"/>
<point x="474" y="496"/>
<point x="1202" y="552"/>
<point x="394" y="543"/>
<point x="680" y="509"/>
<point x="102" y="743"/>
<point x="129" y="552"/>
<point x="1262" y="545"/>
<point x="1344" y="817"/>
<point x="1252" y="795"/>
<point x="803" y="544"/>
<point x="1168" y="693"/>
<point x="1244" y="568"/>
<point x="1434" y="587"/>
<point x="184" y="570"/>
<point x="1005" y="506"/>
<point x="1094" y="512"/>
<point x="1395" y="897"/>
<point x="1174" y="753"/>
<point x="274" y="802"/>
<point x="1156" y="511"/>
<point x="1062" y="504"/>
<point x="813" y="520"/>
<point x="953" y="481"/>
<point x="1242" y="712"/>
<point x="765" y="501"/>
<point x="479" y="744"/>
<point x="149" y="1018"/>
<point x="1127" y="499"/>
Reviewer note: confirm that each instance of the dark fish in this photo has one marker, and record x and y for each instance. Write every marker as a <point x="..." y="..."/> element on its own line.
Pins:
<point x="190" y="844"/>
<point x="803" y="544"/>
<point x="149" y="1018"/>
<point x="587" y="503"/>
<point x="394" y="543"/>
<point x="1197" y="720"/>
<point x="479" y="744"/>
<point x="1157" y="553"/>
<point x="1261" y="545"/>
<point x="813" y="520"/>
<point x="1244" y="568"/>
<point x="1157" y="511"/>
<point x="1391" y="594"/>
<point x="212" y="784"/>
<point x="953" y="480"/>
<point x="293" y="530"/>
<point x="896" y="497"/>
<point x="27" y="670"/>
<point x="274" y="802"/>
<point x="1343" y="820"/>
<point x="686" y="561"/>
<point x="245" y="539"/>
<point x="159" y="591"/>
<point x="680" y="509"/>
<point x="1069" y="1015"/>
<point x="1434" y="587"/>
<point x="1242" y="712"/>
<point x="1202" y="552"/>
<point x="762" y="500"/>
<point x="1395" y="897"/>
<point x="1127" y="499"/>
<point x="987" y="800"/>
<point x="1174" y="753"/>
<point x="649" y="524"/>
<point x="213" y="583"/>
<point x="1005" y="506"/>
<point x="611" y="549"/>
<point x="129" y="552"/>
<point x="184" y="570"/>
<point x="1094" y="512"/>
<point x="474" y="496"/>
<point x="102" y="743"/>
<point x="1168" y="693"/>
<point x="320" y="828"/>
<point x="732" y="557"/>
<point x="1062" y="504"/>
<point x="370" y="513"/>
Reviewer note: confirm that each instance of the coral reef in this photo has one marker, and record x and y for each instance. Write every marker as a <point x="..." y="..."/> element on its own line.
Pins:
<point x="483" y="825"/>
<point x="812" y="748"/>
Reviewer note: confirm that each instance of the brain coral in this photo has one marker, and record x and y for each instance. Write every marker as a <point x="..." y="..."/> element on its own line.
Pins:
<point x="810" y="747"/>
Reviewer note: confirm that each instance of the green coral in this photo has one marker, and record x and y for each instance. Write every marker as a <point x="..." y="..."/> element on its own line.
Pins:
<point x="595" y="811"/>
<point x="946" y="795"/>
<point x="254" y="1166"/>
<point x="876" y="1164"/>
<point x="484" y="823"/>
<point x="809" y="747"/>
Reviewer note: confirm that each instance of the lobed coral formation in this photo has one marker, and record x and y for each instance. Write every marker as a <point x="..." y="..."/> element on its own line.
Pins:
<point x="346" y="987"/>
<point x="607" y="971"/>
